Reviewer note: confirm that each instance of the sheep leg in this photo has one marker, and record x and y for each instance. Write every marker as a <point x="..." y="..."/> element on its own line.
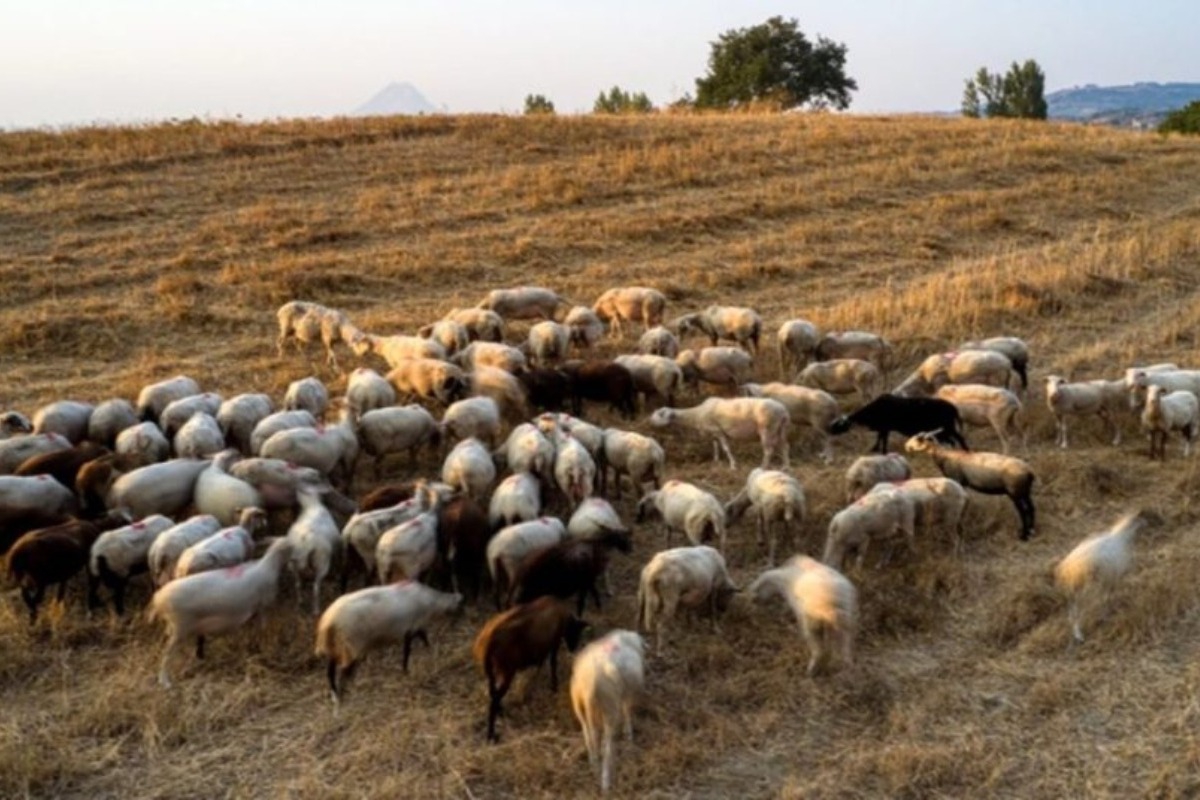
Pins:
<point x="33" y="599"/>
<point x="117" y="587"/>
<point x="200" y="648"/>
<point x="554" y="669"/>
<point x="724" y="442"/>
<point x="331" y="674"/>
<point x="881" y="442"/>
<point x="408" y="640"/>
<point x="1075" y="617"/>
<point x="496" y="695"/>
<point x="606" y="759"/>
<point x="164" y="678"/>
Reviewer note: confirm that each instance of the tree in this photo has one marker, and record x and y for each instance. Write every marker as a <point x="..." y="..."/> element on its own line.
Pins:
<point x="1182" y="120"/>
<point x="538" y="104"/>
<point x="618" y="101"/>
<point x="1020" y="93"/>
<point x="775" y="62"/>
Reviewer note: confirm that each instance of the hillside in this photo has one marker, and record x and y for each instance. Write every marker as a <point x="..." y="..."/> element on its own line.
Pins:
<point x="1144" y="104"/>
<point x="130" y="255"/>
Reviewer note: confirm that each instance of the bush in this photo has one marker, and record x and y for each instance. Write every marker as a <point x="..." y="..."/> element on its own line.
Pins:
<point x="618" y="101"/>
<point x="1182" y="120"/>
<point x="538" y="104"/>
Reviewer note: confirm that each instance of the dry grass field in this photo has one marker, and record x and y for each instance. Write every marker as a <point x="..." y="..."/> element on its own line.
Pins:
<point x="130" y="255"/>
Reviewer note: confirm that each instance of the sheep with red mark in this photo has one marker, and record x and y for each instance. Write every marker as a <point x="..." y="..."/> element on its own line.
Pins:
<point x="797" y="343"/>
<point x="123" y="553"/>
<point x="734" y="419"/>
<point x="16" y="451"/>
<point x="360" y="535"/>
<point x="410" y="549"/>
<point x="807" y="408"/>
<point x="109" y="419"/>
<point x="731" y="323"/>
<point x="777" y="499"/>
<point x="67" y="418"/>
<point x="238" y="416"/>
<point x="315" y="544"/>
<point x="574" y="469"/>
<point x="512" y="546"/>
<point x="524" y="302"/>
<point x="225" y="548"/>
<point x="693" y="577"/>
<point x="659" y="341"/>
<point x="527" y="449"/>
<point x="152" y="399"/>
<point x="332" y="450"/>
<point x="824" y="601"/>
<point x="630" y="304"/>
<point x="224" y="495"/>
<point x="606" y="680"/>
<point x="522" y="637"/>
<point x="601" y="382"/>
<point x="169" y="545"/>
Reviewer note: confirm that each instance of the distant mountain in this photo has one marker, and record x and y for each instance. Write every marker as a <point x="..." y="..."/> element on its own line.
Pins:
<point x="396" y="98"/>
<point x="1139" y="105"/>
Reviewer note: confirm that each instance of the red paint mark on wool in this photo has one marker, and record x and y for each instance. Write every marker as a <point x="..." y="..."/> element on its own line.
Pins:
<point x="234" y="572"/>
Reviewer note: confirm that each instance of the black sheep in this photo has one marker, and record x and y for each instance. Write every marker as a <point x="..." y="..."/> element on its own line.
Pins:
<point x="603" y="382"/>
<point x="905" y="415"/>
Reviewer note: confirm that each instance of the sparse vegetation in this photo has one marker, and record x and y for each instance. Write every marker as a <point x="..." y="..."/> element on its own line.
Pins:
<point x="538" y="104"/>
<point x="133" y="254"/>
<point x="1183" y="120"/>
<point x="618" y="101"/>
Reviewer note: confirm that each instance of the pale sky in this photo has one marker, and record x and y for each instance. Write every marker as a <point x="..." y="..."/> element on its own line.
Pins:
<point x="76" y="61"/>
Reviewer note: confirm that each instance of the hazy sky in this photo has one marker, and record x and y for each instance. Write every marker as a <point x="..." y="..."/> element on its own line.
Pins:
<point x="73" y="61"/>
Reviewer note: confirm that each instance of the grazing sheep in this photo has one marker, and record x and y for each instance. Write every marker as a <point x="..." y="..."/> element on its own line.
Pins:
<point x="503" y="387"/>
<point x="569" y="568"/>
<point x="371" y="618"/>
<point x="225" y="548"/>
<point x="306" y="322"/>
<point x="987" y="367"/>
<point x="867" y="471"/>
<point x="481" y="324"/>
<point x="1100" y="397"/>
<point x="842" y="376"/>
<point x="797" y="341"/>
<point x="732" y="323"/>
<point x="688" y="508"/>
<point x="169" y="545"/>
<point x="1095" y="565"/>
<point x="219" y="601"/>
<point x="601" y="382"/>
<point x="630" y="304"/>
<point x="452" y="336"/>
<point x="157" y="396"/>
<point x="1167" y="375"/>
<point x="906" y="415"/>
<point x="606" y="679"/>
<point x="386" y="431"/>
<point x="984" y="406"/>
<point x="658" y="341"/>
<point x="638" y="457"/>
<point x="463" y="534"/>
<point x="428" y="378"/>
<point x="682" y="577"/>
<point x="587" y="434"/>
<point x="165" y="488"/>
<point x="1015" y="349"/>
<point x="279" y="483"/>
<point x="734" y="419"/>
<point x="527" y="449"/>
<point x="109" y="419"/>
<point x="17" y="450"/>
<point x="239" y="416"/>
<point x="272" y="424"/>
<point x="986" y="473"/>
<point x="728" y="367"/>
<point x="859" y="345"/>
<point x="179" y="412"/>
<point x="469" y="468"/>
<point x="1168" y="411"/>
<point x="585" y="326"/>
<point x="524" y="302"/>
<point x="548" y="342"/>
<point x="776" y="497"/>
<point x="477" y="417"/>
<point x="333" y="450"/>
<point x="119" y="554"/>
<point x="224" y="495"/>
<point x="397" y="350"/>
<point x="574" y="469"/>
<point x="16" y="526"/>
<point x="653" y="375"/>
<point x="200" y="437"/>
<point x="880" y="515"/>
<point x="518" y="498"/>
<point x="512" y="546"/>
<point x="145" y="443"/>
<point x="14" y="423"/>
<point x="936" y="500"/>
<point x="408" y="550"/>
<point x="62" y="465"/>
<point x="307" y="394"/>
<point x="825" y="604"/>
<point x="361" y="533"/>
<point x="491" y="354"/>
<point x="67" y="418"/>
<point x="522" y="637"/>
<point x="34" y="494"/>
<point x="367" y="390"/>
<point x="545" y="389"/>
<point x="810" y="408"/>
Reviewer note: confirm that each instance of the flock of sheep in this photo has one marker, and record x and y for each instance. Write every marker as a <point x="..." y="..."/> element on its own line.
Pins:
<point x="186" y="485"/>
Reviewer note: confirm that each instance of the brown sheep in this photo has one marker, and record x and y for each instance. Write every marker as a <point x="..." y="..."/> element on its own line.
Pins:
<point x="62" y="465"/>
<point x="603" y="382"/>
<point x="386" y="496"/>
<point x="463" y="535"/>
<point x="569" y="569"/>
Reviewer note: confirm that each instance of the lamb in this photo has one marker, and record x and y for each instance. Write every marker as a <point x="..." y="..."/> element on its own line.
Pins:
<point x="386" y="431"/>
<point x="490" y="354"/>
<point x="522" y="637"/>
<point x="223" y="495"/>
<point x="1100" y="397"/>
<point x="1095" y="566"/>
<point x="143" y="442"/>
<point x="216" y="602"/>
<point x="825" y="604"/>
<point x="936" y="500"/>
<point x="109" y="419"/>
<point x="279" y="421"/>
<point x="225" y="548"/>
<point x="477" y="417"/>
<point x="525" y="302"/>
<point x="569" y="568"/>
<point x="179" y="412"/>
<point x="14" y="423"/>
<point x="601" y="382"/>
<point x="239" y="416"/>
<point x="606" y="680"/>
<point x="638" y="457"/>
<point x="878" y="516"/>
<point x="371" y="618"/>
<point x="842" y="376"/>
<point x="737" y="418"/>
<point x="502" y="387"/>
<point x="688" y="508"/>
<point x="119" y="554"/>
<point x="157" y="396"/>
<point x="682" y="577"/>
<point x="574" y="469"/>
<point x="776" y="497"/>
<point x="397" y="350"/>
<point x="797" y="342"/>
<point x="986" y="473"/>
<point x="1168" y="411"/>
<point x="481" y="324"/>
<point x="811" y="408"/>
<point x="734" y="323"/>
<point x="548" y="342"/>
<point x="982" y="406"/>
<point x="658" y="341"/>
<point x="21" y="495"/>
<point x="518" y="498"/>
<point x="906" y="415"/>
<point x="67" y="418"/>
<point x="305" y="322"/>
<point x="169" y="545"/>
<point x="200" y="437"/>
<point x="653" y="375"/>
<point x="315" y="544"/>
<point x="408" y="550"/>
<point x="428" y="378"/>
<point x="854" y="345"/>
<point x="333" y="451"/>
<point x="469" y="468"/>
<point x="510" y="548"/>
<point x="1015" y="349"/>
<point x="307" y="394"/>
<point x="630" y="304"/>
<point x="728" y="367"/>
<point x="367" y="390"/>
<point x="452" y="336"/>
<point x="16" y="451"/>
<point x="867" y="471"/>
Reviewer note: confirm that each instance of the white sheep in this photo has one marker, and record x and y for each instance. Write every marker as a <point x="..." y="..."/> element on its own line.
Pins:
<point x="867" y="471"/>
<point x="638" y="457"/>
<point x="452" y="336"/>
<point x="587" y="434"/>
<point x="881" y="515"/>
<point x="1166" y="412"/>
<point x="501" y="386"/>
<point x="809" y="408"/>
<point x="361" y="533"/>
<point x="469" y="468"/>
<point x="225" y="548"/>
<point x="332" y="450"/>
<point x="120" y="554"/>
<point x="67" y="418"/>
<point x="238" y="416"/>
<point x="34" y="494"/>
<point x="653" y="375"/>
<point x="797" y="341"/>
<point x="157" y="396"/>
<point x="16" y="450"/>
<point x="685" y="507"/>
<point x="777" y="499"/>
<point x="860" y="345"/>
<point x="315" y="543"/>
<point x="371" y="618"/>
<point x="168" y="546"/>
<point x="729" y="367"/>
<point x="199" y="437"/>
<point x="224" y="495"/>
<point x="408" y="550"/>
<point x="659" y="341"/>
<point x="307" y="322"/>
<point x="396" y="350"/>
<point x="638" y="304"/>
<point x="548" y="342"/>
<point x="215" y="602"/>
<point x="513" y="546"/>
<point x="1095" y="565"/>
<point x="574" y="469"/>
<point x="1173" y="380"/>
<point x="145" y="441"/>
<point x="732" y="323"/>
<point x="736" y="418"/>
<point x="490" y="354"/>
<point x="272" y="424"/>
<point x="984" y="406"/>
<point x="937" y="501"/>
<point x="585" y="326"/>
<point x="428" y="378"/>
<point x="178" y="412"/>
<point x="1102" y="398"/>
<point x="473" y="416"/>
<point x="398" y="429"/>
<point x="307" y="394"/>
<point x="987" y="367"/>
<point x="824" y="601"/>
<point x="518" y="498"/>
<point x="607" y="678"/>
<point x="109" y="419"/>
<point x="1015" y="349"/>
<point x="279" y="482"/>
<point x="367" y="390"/>
<point x="14" y="423"/>
<point x="693" y="577"/>
<point x="524" y="302"/>
<point x="527" y="450"/>
<point x="166" y="488"/>
<point x="481" y="324"/>
<point x="842" y="376"/>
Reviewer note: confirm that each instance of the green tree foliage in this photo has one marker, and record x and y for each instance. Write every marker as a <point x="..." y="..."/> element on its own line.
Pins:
<point x="618" y="101"/>
<point x="775" y="62"/>
<point x="1182" y="120"/>
<point x="1021" y="93"/>
<point x="538" y="104"/>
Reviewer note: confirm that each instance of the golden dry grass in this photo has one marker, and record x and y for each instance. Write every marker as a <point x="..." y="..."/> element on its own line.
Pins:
<point x="132" y="254"/>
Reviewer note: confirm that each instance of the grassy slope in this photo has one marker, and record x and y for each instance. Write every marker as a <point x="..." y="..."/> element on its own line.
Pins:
<point x="131" y="255"/>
